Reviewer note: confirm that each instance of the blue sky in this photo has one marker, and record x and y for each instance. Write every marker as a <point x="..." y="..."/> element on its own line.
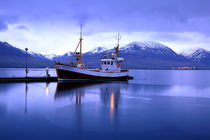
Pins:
<point x="52" y="26"/>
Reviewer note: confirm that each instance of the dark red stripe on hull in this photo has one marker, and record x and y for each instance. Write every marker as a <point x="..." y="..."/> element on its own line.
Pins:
<point x="64" y="74"/>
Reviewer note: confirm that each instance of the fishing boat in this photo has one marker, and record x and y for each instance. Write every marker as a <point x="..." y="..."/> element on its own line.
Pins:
<point x="110" y="67"/>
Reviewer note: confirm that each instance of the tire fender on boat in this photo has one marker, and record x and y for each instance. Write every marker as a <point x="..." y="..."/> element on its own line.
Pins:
<point x="118" y="65"/>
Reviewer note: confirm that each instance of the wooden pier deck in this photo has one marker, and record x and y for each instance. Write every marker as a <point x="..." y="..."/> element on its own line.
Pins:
<point x="49" y="79"/>
<point x="28" y="79"/>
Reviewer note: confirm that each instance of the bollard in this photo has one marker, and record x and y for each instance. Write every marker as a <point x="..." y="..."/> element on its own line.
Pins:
<point x="47" y="72"/>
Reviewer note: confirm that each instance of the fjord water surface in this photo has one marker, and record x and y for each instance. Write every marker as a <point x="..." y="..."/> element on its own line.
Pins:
<point x="156" y="105"/>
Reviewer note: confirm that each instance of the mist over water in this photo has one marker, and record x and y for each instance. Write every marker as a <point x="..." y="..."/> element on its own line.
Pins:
<point x="157" y="104"/>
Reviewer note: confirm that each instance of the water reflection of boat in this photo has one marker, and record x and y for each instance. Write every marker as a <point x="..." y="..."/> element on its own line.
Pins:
<point x="66" y="89"/>
<point x="109" y="93"/>
<point x="70" y="89"/>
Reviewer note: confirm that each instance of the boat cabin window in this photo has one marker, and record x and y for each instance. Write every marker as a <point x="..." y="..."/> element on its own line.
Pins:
<point x="106" y="63"/>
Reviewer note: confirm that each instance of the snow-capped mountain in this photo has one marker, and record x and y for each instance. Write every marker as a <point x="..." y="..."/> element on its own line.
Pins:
<point x="14" y="57"/>
<point x="188" y="52"/>
<point x="201" y="57"/>
<point x="50" y="56"/>
<point x="65" y="58"/>
<point x="136" y="55"/>
<point x="97" y="50"/>
<point x="150" y="46"/>
<point x="37" y="55"/>
<point x="199" y="54"/>
<point x="152" y="55"/>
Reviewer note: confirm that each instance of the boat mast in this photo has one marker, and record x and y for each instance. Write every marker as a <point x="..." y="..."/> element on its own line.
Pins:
<point x="118" y="45"/>
<point x="80" y="40"/>
<point x="78" y="55"/>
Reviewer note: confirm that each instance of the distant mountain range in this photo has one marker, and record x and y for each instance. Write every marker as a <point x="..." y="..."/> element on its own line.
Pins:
<point x="12" y="57"/>
<point x="147" y="55"/>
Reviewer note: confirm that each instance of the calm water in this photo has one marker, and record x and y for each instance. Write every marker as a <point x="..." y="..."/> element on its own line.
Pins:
<point x="156" y="105"/>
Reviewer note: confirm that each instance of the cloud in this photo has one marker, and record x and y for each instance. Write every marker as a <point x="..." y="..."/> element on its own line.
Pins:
<point x="173" y="22"/>
<point x="22" y="27"/>
<point x="126" y="15"/>
<point x="3" y="26"/>
<point x="5" y="20"/>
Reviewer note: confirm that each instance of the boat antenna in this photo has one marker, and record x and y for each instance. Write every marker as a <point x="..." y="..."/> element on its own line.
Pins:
<point x="118" y="44"/>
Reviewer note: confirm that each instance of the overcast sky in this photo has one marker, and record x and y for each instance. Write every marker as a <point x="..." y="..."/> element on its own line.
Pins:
<point x="52" y="26"/>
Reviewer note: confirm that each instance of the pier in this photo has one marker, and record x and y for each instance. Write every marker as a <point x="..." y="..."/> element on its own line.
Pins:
<point x="50" y="79"/>
<point x="28" y="79"/>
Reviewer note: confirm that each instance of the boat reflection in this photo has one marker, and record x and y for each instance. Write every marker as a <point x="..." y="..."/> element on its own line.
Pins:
<point x="26" y="97"/>
<point x="109" y="93"/>
<point x="47" y="88"/>
<point x="65" y="89"/>
<point x="110" y="96"/>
